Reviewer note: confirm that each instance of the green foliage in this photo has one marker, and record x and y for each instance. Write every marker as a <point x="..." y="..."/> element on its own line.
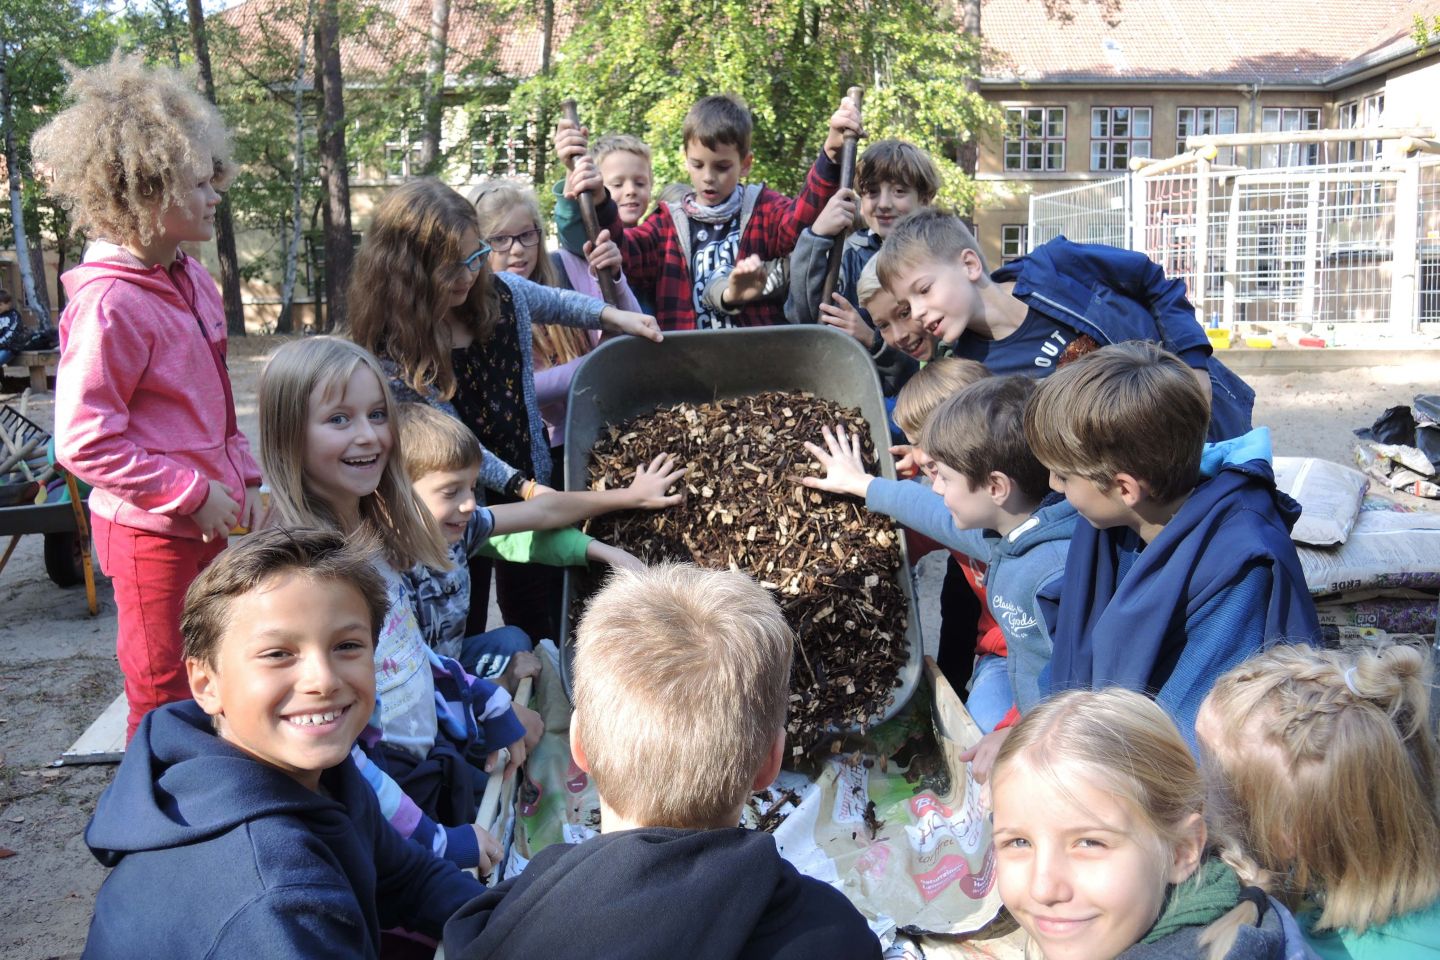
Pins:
<point x="1424" y="32"/>
<point x="39" y="39"/>
<point x="638" y="68"/>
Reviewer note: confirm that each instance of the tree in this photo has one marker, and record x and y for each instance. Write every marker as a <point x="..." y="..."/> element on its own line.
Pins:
<point x="224" y="222"/>
<point x="431" y="103"/>
<point x="286" y="322"/>
<point x="17" y="184"/>
<point x="638" y="67"/>
<point x="331" y="86"/>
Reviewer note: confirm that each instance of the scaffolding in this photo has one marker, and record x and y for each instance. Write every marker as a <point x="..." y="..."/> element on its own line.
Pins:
<point x="1349" y="242"/>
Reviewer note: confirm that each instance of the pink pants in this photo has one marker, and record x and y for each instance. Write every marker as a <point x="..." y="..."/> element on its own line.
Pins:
<point x="150" y="573"/>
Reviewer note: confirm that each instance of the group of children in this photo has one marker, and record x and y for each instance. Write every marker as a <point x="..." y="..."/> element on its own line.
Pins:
<point x="312" y="714"/>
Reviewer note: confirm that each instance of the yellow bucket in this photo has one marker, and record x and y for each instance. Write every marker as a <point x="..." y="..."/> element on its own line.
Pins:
<point x="1259" y="343"/>
<point x="1219" y="338"/>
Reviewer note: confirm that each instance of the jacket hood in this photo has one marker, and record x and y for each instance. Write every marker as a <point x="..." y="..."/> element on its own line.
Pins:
<point x="180" y="783"/>
<point x="658" y="892"/>
<point x="1055" y="520"/>
<point x="109" y="261"/>
<point x="1248" y="455"/>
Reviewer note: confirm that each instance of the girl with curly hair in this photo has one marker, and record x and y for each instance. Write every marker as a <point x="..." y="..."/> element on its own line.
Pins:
<point x="454" y="334"/>
<point x="143" y="407"/>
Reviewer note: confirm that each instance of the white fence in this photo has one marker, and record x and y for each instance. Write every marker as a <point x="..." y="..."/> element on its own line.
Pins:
<point x="1353" y="242"/>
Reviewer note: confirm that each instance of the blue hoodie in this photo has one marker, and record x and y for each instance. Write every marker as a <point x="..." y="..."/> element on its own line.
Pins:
<point x="217" y="855"/>
<point x="1115" y="296"/>
<point x="1221" y="581"/>
<point x="1024" y="575"/>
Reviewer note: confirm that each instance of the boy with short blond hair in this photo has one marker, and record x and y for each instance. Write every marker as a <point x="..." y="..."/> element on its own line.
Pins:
<point x="990" y="502"/>
<point x="682" y="679"/>
<point x="1185" y="566"/>
<point x="704" y="259"/>
<point x="1059" y="302"/>
<point x="237" y="825"/>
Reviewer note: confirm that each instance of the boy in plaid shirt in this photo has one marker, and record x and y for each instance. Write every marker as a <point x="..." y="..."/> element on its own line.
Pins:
<point x="704" y="257"/>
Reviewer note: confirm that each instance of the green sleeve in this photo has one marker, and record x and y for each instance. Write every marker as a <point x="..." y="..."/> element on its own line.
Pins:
<point x="555" y="548"/>
<point x="568" y="225"/>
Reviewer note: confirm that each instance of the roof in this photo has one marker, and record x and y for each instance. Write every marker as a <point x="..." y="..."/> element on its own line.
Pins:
<point x="1282" y="42"/>
<point x="479" y="37"/>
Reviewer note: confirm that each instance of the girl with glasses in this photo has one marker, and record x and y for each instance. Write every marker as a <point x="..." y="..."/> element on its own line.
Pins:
<point x="452" y="333"/>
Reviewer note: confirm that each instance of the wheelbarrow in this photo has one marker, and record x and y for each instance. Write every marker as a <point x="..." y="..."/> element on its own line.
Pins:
<point x="26" y="468"/>
<point x="629" y="377"/>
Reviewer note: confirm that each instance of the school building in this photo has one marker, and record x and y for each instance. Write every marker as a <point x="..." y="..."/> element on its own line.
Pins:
<point x="1279" y="156"/>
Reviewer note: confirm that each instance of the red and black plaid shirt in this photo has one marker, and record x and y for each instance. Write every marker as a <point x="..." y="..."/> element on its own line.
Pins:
<point x="653" y="259"/>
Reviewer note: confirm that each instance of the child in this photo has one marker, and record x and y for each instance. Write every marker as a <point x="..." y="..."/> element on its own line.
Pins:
<point x="509" y="220"/>
<point x="893" y="179"/>
<point x="966" y="624"/>
<point x="442" y="458"/>
<point x="1322" y="766"/>
<point x="335" y="462"/>
<point x="1185" y="565"/>
<point x="682" y="677"/>
<point x="892" y="318"/>
<point x="624" y="164"/>
<point x="422" y="282"/>
<point x="722" y="226"/>
<point x="143" y="409"/>
<point x="13" y="335"/>
<point x="237" y="825"/>
<point x="1063" y="300"/>
<point x="989" y="502"/>
<point x="1100" y="842"/>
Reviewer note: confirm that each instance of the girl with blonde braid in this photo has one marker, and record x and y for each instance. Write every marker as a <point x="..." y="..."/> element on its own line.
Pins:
<point x="1321" y="766"/>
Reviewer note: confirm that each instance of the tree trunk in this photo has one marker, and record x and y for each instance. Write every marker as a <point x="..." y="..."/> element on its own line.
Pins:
<point x="542" y="119"/>
<point x="432" y="96"/>
<point x="969" y="152"/>
<point x="37" y="267"/>
<point x="338" y="249"/>
<point x="224" y="219"/>
<point x="286" y="322"/>
<point x="17" y="183"/>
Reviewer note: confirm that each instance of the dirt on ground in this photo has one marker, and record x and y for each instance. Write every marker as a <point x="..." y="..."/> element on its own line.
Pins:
<point x="58" y="670"/>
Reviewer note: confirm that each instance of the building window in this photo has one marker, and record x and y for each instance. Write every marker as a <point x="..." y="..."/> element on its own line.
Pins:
<point x="498" y="149"/>
<point x="1205" y="122"/>
<point x="1358" y="114"/>
<point x="1014" y="238"/>
<point x="402" y="157"/>
<point x="1289" y="120"/>
<point x="1116" y="135"/>
<point x="1035" y="139"/>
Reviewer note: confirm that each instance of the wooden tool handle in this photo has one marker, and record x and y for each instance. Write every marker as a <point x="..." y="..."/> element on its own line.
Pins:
<point x="587" y="215"/>
<point x="847" y="182"/>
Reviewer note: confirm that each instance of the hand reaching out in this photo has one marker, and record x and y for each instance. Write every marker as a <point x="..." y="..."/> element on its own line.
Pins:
<point x="747" y="281"/>
<point x="844" y="470"/>
<point x="651" y="481"/>
<point x="632" y="323"/>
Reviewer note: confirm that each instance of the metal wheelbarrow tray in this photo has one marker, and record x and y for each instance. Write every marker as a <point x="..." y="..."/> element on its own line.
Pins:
<point x="629" y="377"/>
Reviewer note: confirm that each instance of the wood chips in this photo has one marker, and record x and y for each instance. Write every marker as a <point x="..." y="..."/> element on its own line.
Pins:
<point x="831" y="564"/>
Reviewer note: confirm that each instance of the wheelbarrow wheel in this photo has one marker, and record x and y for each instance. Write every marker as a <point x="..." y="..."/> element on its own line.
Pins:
<point x="62" y="559"/>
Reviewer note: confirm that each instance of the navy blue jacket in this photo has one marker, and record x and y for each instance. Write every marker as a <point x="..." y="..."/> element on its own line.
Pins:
<point x="658" y="893"/>
<point x="1116" y="295"/>
<point x="1221" y="581"/>
<point x="217" y="855"/>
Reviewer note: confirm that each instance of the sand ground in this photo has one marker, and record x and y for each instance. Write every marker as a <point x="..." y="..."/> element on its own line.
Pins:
<point x="58" y="670"/>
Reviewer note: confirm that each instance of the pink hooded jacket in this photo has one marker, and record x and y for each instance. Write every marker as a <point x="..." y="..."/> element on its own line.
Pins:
<point x="143" y="412"/>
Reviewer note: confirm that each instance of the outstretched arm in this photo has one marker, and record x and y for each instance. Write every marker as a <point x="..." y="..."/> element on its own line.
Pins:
<point x="551" y="510"/>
